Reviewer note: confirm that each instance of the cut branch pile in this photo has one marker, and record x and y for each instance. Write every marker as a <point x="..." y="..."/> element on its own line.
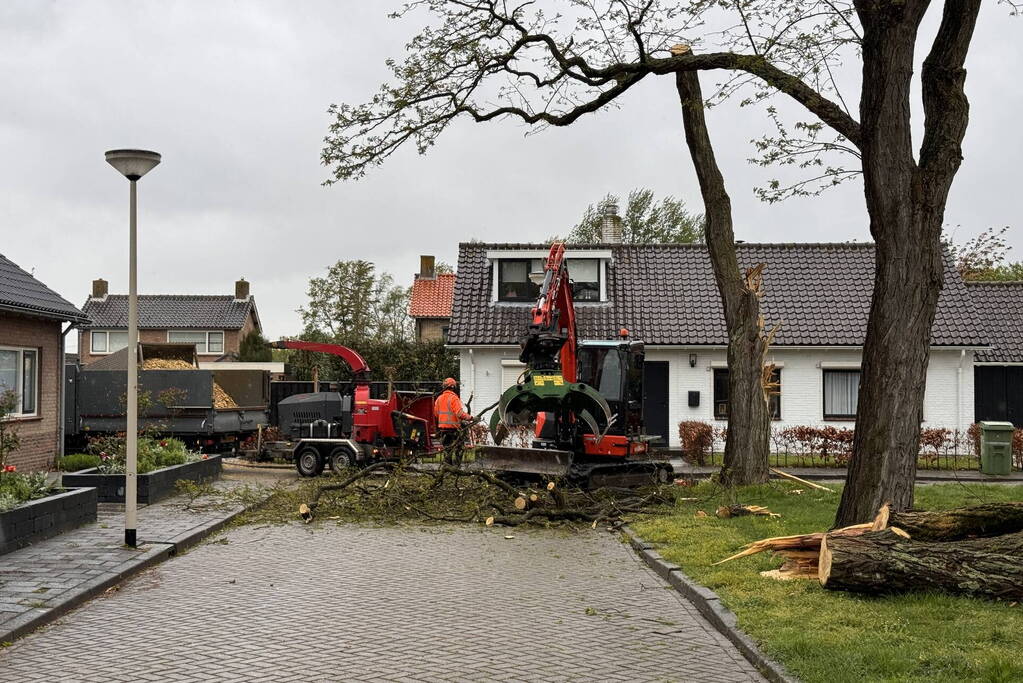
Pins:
<point x="390" y="491"/>
<point x="975" y="551"/>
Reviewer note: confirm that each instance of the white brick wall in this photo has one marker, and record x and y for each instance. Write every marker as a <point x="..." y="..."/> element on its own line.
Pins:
<point x="801" y="383"/>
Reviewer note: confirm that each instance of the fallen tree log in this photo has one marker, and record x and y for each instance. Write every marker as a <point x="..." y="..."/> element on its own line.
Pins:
<point x="785" y="545"/>
<point x="880" y="562"/>
<point x="989" y="519"/>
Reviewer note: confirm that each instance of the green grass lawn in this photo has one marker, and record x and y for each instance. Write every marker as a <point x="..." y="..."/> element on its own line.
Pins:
<point x="822" y="635"/>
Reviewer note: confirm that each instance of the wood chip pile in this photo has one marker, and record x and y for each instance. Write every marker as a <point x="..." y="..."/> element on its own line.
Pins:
<point x="221" y="399"/>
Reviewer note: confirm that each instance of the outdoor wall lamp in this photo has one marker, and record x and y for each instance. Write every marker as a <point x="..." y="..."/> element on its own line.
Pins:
<point x="692" y="360"/>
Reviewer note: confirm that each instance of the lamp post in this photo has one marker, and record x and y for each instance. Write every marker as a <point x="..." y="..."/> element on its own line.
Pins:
<point x="132" y="164"/>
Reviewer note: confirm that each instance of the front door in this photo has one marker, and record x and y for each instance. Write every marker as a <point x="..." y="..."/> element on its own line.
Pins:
<point x="655" y="400"/>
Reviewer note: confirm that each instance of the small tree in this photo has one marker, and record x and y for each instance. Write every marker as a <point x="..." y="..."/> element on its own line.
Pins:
<point x="254" y="349"/>
<point x="985" y="258"/>
<point x="645" y="221"/>
<point x="9" y="440"/>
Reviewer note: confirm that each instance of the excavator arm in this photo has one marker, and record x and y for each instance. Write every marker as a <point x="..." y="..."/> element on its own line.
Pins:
<point x="549" y="352"/>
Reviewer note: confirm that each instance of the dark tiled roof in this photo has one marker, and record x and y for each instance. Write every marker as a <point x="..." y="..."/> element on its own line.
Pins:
<point x="21" y="292"/>
<point x="171" y="311"/>
<point x="665" y="294"/>
<point x="431" y="297"/>
<point x="1000" y="308"/>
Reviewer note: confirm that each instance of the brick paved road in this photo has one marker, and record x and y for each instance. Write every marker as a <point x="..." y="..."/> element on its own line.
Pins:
<point x="334" y="603"/>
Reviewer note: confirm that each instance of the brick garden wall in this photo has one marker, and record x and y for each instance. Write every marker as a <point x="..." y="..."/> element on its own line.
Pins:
<point x="38" y="435"/>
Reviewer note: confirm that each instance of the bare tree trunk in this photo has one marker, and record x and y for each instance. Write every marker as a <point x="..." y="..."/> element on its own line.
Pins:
<point x="749" y="421"/>
<point x="906" y="204"/>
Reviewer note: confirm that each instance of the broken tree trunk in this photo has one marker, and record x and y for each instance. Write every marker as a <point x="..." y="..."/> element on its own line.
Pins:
<point x="989" y="519"/>
<point x="885" y="562"/>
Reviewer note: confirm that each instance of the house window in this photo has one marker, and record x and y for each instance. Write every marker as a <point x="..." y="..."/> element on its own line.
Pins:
<point x="721" y="394"/>
<point x="19" y="375"/>
<point x="206" y="343"/>
<point x="841" y="394"/>
<point x="585" y="276"/>
<point x="108" y="341"/>
<point x="513" y="282"/>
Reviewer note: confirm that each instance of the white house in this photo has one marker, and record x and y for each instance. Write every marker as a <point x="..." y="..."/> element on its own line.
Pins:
<point x="665" y="295"/>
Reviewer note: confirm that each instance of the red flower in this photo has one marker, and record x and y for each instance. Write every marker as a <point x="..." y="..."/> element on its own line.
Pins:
<point x="10" y="468"/>
<point x="205" y="457"/>
<point x="163" y="444"/>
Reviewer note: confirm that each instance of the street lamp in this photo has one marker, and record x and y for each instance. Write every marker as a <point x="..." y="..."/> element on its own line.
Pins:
<point x="132" y="164"/>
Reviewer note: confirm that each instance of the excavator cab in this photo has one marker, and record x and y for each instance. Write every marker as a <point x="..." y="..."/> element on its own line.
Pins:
<point x="615" y="370"/>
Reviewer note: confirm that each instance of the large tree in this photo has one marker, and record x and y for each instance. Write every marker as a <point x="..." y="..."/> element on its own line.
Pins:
<point x="351" y="302"/>
<point x="553" y="68"/>
<point x="644" y="221"/>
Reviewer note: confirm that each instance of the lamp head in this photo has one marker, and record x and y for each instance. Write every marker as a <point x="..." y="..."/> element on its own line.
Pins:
<point x="133" y="163"/>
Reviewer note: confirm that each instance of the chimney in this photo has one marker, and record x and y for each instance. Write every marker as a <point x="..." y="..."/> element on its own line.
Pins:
<point x="610" y="223"/>
<point x="241" y="290"/>
<point x="99" y="289"/>
<point x="427" y="268"/>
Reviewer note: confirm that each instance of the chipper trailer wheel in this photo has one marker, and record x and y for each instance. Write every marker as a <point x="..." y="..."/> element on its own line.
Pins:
<point x="341" y="458"/>
<point x="309" y="462"/>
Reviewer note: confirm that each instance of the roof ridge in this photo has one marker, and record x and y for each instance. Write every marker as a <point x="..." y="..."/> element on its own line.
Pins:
<point x="682" y="245"/>
<point x="993" y="282"/>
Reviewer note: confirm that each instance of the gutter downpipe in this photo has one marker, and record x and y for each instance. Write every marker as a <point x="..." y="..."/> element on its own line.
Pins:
<point x="959" y="389"/>
<point x="472" y="365"/>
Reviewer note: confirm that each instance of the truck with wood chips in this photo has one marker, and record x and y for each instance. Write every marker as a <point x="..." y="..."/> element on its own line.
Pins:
<point x="210" y="409"/>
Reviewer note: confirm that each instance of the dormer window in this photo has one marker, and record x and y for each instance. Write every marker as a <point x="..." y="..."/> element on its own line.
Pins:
<point x="515" y="285"/>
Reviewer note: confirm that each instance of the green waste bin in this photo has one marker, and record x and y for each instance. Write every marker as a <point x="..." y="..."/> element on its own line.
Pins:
<point x="996" y="447"/>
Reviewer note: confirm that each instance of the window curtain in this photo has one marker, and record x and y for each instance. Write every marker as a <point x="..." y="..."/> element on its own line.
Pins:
<point x="841" y="393"/>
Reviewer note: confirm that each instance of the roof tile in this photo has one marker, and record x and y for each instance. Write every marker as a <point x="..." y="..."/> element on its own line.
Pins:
<point x="20" y="291"/>
<point x="431" y="297"/>
<point x="171" y="311"/>
<point x="666" y="294"/>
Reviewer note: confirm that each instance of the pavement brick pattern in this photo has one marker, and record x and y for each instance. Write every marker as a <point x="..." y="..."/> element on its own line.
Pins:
<point x="330" y="603"/>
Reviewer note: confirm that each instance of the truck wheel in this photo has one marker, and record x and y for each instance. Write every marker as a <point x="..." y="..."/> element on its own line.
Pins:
<point x="309" y="462"/>
<point x="341" y="458"/>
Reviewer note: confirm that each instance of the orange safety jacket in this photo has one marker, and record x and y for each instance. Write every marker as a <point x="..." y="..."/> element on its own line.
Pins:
<point x="449" y="411"/>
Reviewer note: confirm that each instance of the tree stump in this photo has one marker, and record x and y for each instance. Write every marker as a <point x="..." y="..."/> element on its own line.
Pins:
<point x="884" y="562"/>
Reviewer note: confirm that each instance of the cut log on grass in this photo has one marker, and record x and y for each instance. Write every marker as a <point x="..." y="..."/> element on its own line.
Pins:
<point x="989" y="519"/>
<point x="881" y="562"/>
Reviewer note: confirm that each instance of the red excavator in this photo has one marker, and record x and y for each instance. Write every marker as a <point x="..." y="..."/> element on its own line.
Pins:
<point x="585" y="399"/>
<point x="342" y="429"/>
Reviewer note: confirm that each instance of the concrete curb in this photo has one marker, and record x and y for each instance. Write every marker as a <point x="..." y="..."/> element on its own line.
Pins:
<point x="157" y="552"/>
<point x="708" y="603"/>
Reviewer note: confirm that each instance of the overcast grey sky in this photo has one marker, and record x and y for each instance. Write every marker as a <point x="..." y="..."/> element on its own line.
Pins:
<point x="234" y="95"/>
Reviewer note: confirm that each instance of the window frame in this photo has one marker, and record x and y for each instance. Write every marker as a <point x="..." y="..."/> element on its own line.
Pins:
<point x="824" y="393"/>
<point x="205" y="344"/>
<point x="529" y="298"/>
<point x="106" y="343"/>
<point x="776" y="415"/>
<point x="19" y="379"/>
<point x="598" y="282"/>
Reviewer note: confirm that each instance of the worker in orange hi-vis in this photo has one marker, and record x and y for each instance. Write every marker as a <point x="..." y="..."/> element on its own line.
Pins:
<point x="451" y="418"/>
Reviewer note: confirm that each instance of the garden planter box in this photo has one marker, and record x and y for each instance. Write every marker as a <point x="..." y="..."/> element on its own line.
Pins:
<point x="153" y="486"/>
<point x="46" y="517"/>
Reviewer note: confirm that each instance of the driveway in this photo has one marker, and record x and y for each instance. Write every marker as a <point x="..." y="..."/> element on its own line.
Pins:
<point x="329" y="603"/>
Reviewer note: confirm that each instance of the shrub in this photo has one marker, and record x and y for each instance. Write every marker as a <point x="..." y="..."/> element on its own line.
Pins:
<point x="77" y="461"/>
<point x="696" y="438"/>
<point x="16" y="488"/>
<point x="153" y="453"/>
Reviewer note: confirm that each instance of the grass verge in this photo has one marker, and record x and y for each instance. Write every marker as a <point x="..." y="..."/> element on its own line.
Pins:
<point x="829" y="636"/>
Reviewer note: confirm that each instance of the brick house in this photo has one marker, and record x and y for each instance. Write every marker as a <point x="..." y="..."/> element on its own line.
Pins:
<point x="430" y="304"/>
<point x="216" y="324"/>
<point x="32" y="318"/>
<point x="665" y="295"/>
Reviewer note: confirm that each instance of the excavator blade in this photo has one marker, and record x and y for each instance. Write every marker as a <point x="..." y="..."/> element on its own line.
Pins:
<point x="537" y="461"/>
